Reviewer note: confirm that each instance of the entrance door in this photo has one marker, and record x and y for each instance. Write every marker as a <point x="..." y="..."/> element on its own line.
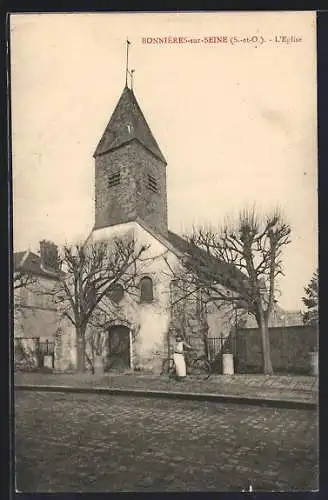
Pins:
<point x="118" y="348"/>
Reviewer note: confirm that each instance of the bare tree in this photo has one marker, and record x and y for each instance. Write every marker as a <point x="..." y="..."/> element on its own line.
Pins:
<point x="239" y="264"/>
<point x="95" y="341"/>
<point x="22" y="279"/>
<point x="88" y="273"/>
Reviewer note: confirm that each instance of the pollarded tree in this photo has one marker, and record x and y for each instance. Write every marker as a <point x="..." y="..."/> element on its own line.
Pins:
<point x="88" y="273"/>
<point x="311" y="301"/>
<point x="239" y="264"/>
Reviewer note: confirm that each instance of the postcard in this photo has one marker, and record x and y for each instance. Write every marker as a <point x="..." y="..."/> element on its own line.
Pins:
<point x="165" y="240"/>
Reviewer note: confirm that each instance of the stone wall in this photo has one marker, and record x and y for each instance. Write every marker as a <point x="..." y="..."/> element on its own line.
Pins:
<point x="290" y="347"/>
<point x="221" y="319"/>
<point x="188" y="316"/>
<point x="131" y="198"/>
<point x="278" y="318"/>
<point x="65" y="347"/>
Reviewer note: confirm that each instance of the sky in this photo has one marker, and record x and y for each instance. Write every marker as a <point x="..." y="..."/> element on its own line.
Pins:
<point x="235" y="121"/>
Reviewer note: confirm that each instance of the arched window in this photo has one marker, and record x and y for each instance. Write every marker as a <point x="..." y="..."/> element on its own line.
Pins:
<point x="116" y="292"/>
<point x="146" y="290"/>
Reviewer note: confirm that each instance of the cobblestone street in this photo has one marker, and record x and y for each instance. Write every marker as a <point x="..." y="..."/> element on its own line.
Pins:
<point x="76" y="442"/>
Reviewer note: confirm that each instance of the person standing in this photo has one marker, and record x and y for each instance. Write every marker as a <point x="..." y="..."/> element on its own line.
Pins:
<point x="178" y="357"/>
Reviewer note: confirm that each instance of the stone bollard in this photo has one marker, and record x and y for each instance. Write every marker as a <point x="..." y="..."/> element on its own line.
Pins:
<point x="227" y="364"/>
<point x="48" y="361"/>
<point x="98" y="365"/>
<point x="314" y="363"/>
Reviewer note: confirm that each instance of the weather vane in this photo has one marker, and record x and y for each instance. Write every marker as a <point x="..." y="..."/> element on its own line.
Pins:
<point x="127" y="71"/>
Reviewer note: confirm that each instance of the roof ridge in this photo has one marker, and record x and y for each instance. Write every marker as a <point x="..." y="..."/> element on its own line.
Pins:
<point x="224" y="266"/>
<point x="152" y="135"/>
<point x="18" y="258"/>
<point x="159" y="237"/>
<point x="24" y="257"/>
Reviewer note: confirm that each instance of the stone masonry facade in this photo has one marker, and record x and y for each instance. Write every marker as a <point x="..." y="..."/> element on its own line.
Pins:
<point x="131" y="197"/>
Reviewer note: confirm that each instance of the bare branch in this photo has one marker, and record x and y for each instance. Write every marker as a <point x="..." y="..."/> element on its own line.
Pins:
<point x="22" y="279"/>
<point x="244" y="255"/>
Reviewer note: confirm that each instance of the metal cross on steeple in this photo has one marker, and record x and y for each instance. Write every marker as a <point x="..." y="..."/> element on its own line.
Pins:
<point x="127" y="62"/>
<point x="127" y="71"/>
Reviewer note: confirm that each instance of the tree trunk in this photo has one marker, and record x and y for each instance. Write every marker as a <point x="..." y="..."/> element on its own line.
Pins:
<point x="90" y="361"/>
<point x="93" y="357"/>
<point x="206" y="348"/>
<point x="80" y="350"/>
<point x="265" y="342"/>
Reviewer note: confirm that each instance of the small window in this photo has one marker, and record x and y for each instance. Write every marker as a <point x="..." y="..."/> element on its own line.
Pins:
<point x="146" y="290"/>
<point x="116" y="292"/>
<point x="114" y="179"/>
<point x="152" y="184"/>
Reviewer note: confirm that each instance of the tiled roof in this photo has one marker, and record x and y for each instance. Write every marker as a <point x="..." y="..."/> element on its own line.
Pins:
<point x="128" y="123"/>
<point x="226" y="274"/>
<point x="30" y="262"/>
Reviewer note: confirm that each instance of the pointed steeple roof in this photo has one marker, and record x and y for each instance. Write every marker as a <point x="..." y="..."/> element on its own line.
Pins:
<point x="128" y="123"/>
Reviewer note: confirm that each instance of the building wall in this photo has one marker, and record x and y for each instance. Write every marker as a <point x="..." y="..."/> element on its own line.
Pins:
<point x="35" y="314"/>
<point x="188" y="317"/>
<point x="152" y="325"/>
<point x="148" y="322"/>
<point x="131" y="198"/>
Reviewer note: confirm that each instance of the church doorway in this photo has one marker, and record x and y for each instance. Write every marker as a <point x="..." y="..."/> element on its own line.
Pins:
<point x="119" y="348"/>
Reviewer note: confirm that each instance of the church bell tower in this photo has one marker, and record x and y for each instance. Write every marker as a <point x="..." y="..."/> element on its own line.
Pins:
<point x="130" y="170"/>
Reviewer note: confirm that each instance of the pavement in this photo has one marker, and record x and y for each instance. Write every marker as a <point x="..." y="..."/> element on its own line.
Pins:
<point x="278" y="390"/>
<point x="103" y="443"/>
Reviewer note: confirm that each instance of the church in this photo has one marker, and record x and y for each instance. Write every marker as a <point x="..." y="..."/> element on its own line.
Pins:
<point x="131" y="199"/>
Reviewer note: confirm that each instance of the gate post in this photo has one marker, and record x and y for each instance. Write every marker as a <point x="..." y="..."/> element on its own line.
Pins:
<point x="38" y="353"/>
